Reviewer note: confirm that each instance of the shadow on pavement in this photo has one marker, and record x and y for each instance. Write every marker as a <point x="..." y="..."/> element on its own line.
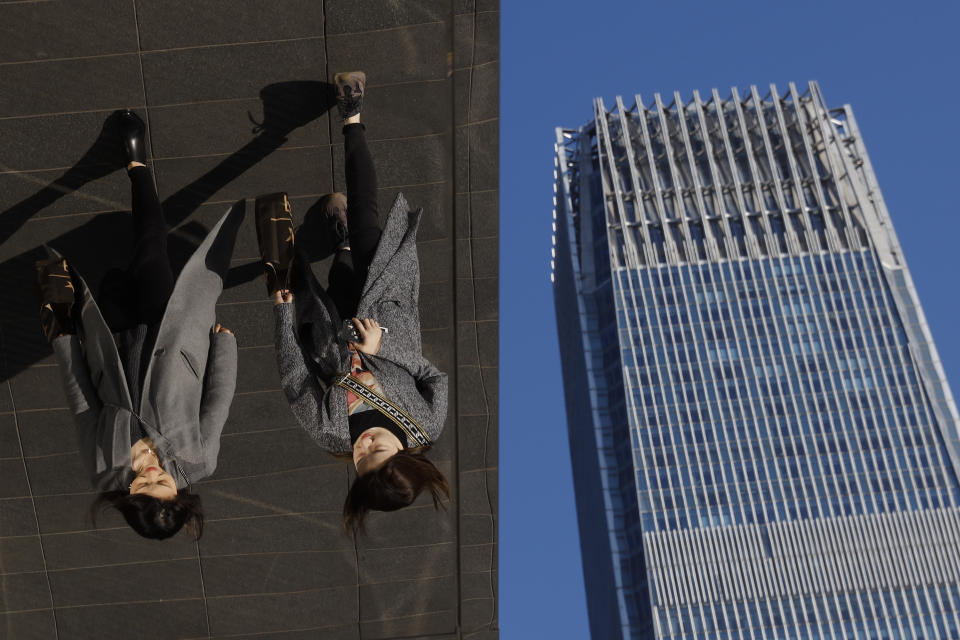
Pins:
<point x="286" y="106"/>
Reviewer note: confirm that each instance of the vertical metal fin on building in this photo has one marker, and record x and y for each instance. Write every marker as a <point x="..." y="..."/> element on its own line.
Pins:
<point x="723" y="179"/>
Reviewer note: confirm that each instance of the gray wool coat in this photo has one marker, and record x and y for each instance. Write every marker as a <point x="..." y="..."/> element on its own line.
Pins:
<point x="310" y="353"/>
<point x="189" y="382"/>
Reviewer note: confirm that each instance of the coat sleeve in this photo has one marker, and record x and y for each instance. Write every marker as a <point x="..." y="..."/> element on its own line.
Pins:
<point x="220" y="382"/>
<point x="82" y="397"/>
<point x="432" y="385"/>
<point x="308" y="401"/>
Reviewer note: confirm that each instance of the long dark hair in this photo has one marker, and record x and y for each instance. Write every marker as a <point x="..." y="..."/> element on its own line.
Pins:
<point x="393" y="486"/>
<point x="152" y="517"/>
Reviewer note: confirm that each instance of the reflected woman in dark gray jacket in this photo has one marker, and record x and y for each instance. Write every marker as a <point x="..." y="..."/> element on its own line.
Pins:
<point x="350" y="357"/>
<point x="148" y="375"/>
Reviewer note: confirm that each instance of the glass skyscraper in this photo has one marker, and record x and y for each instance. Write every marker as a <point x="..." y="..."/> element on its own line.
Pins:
<point x="764" y="443"/>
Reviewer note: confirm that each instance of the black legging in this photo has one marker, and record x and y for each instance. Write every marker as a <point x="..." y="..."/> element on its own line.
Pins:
<point x="349" y="270"/>
<point x="139" y="295"/>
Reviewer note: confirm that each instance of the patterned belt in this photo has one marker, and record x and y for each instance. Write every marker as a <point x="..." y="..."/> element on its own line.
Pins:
<point x="386" y="407"/>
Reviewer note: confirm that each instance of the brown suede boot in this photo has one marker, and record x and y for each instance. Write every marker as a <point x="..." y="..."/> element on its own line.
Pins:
<point x="335" y="210"/>
<point x="350" y="86"/>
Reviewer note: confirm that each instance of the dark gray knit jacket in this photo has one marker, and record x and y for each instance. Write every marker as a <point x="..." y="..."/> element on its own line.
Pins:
<point x="310" y="354"/>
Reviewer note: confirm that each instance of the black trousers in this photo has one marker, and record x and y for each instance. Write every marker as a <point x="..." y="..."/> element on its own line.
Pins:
<point x="139" y="294"/>
<point x="349" y="270"/>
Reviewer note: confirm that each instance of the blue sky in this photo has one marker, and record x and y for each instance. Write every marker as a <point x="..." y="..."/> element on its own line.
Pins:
<point x="896" y="63"/>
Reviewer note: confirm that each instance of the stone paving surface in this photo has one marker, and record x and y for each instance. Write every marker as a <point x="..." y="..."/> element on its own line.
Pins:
<point x="233" y="92"/>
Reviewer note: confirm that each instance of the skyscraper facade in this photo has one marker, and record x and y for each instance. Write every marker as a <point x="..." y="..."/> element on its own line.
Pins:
<point x="764" y="443"/>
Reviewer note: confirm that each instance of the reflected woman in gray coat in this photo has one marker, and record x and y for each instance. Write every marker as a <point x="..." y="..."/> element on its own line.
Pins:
<point x="148" y="375"/>
<point x="350" y="357"/>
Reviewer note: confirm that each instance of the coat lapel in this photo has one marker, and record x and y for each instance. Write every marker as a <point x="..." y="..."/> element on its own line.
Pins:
<point x="317" y="320"/>
<point x="175" y="372"/>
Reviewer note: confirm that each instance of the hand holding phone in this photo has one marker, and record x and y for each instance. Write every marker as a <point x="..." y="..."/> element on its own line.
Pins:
<point x="367" y="335"/>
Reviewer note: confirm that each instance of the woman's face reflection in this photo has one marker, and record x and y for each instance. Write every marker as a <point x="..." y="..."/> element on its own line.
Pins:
<point x="151" y="479"/>
<point x="374" y="447"/>
<point x="154" y="481"/>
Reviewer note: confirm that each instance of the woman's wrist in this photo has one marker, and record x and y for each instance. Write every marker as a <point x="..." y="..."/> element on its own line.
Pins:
<point x="281" y="296"/>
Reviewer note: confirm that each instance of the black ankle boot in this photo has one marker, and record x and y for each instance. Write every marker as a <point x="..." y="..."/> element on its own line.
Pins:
<point x="57" y="298"/>
<point x="132" y="130"/>
<point x="275" y="236"/>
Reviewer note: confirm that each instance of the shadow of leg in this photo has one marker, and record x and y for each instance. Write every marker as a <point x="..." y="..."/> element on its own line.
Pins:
<point x="102" y="158"/>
